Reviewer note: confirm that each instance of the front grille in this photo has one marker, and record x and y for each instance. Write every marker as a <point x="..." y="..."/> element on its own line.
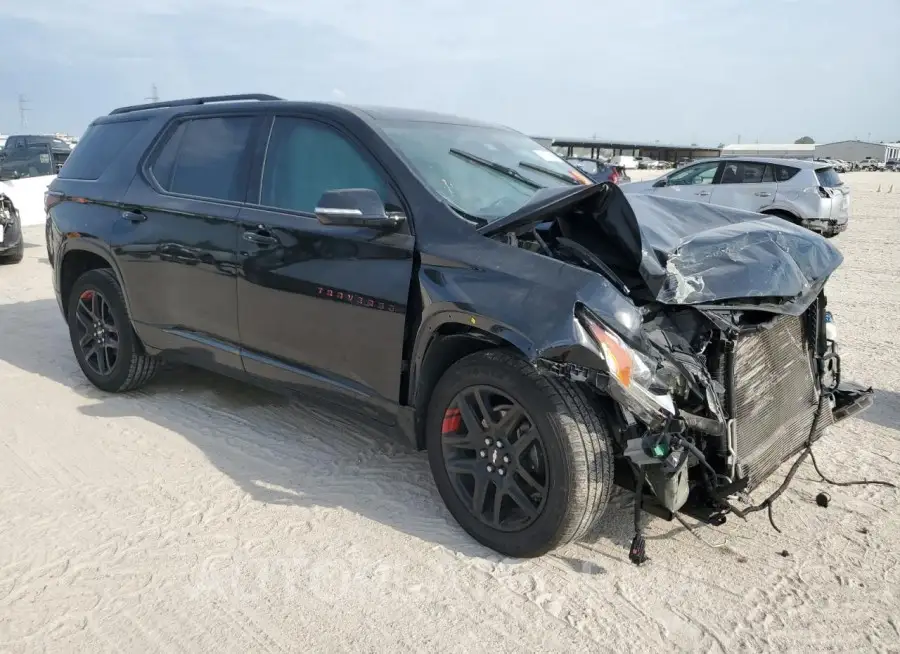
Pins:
<point x="775" y="397"/>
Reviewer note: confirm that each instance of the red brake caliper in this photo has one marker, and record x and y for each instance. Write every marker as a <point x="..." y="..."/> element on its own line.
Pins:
<point x="452" y="421"/>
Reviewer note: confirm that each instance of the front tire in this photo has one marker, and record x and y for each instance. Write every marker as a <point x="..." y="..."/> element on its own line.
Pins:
<point x="16" y="256"/>
<point x="103" y="338"/>
<point x="521" y="459"/>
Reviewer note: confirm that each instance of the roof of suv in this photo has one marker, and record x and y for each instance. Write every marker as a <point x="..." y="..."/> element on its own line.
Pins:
<point x="796" y="163"/>
<point x="238" y="102"/>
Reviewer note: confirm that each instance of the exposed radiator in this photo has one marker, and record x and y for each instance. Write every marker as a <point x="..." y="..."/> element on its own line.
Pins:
<point x="775" y="397"/>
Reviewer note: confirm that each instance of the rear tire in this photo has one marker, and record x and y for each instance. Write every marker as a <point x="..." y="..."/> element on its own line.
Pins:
<point x="564" y="465"/>
<point x="103" y="338"/>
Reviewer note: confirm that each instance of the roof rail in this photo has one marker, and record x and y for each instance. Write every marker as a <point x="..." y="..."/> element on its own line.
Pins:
<point x="262" y="97"/>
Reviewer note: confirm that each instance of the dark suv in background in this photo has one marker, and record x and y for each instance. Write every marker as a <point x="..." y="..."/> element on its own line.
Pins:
<point x="32" y="155"/>
<point x="533" y="331"/>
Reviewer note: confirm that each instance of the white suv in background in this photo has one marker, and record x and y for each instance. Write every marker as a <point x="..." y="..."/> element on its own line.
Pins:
<point x="808" y="193"/>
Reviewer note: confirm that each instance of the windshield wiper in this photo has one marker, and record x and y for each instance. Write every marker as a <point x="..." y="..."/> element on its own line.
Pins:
<point x="512" y="173"/>
<point x="553" y="173"/>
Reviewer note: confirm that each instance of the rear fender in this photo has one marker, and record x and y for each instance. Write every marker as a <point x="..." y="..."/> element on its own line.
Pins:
<point x="73" y="243"/>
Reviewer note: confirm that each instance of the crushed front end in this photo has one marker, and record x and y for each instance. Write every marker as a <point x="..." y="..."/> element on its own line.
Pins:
<point x="733" y="366"/>
<point x="10" y="226"/>
<point x="758" y="388"/>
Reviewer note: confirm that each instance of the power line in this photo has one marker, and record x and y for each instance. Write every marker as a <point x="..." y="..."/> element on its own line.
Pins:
<point x="23" y="108"/>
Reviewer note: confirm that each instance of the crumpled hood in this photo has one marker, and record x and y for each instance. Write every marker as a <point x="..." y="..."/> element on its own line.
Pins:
<point x="690" y="253"/>
<point x="694" y="253"/>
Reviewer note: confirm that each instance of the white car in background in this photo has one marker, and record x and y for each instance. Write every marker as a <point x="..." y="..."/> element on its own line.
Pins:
<point x="807" y="193"/>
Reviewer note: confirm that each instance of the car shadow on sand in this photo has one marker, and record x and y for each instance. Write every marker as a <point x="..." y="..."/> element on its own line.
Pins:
<point x="886" y="410"/>
<point x="279" y="449"/>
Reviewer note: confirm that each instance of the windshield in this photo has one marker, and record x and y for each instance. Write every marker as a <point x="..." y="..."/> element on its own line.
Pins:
<point x="483" y="172"/>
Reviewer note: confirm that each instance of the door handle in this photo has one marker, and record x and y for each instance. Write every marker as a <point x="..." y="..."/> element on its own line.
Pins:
<point x="702" y="193"/>
<point x="134" y="216"/>
<point x="260" y="237"/>
<point x="763" y="194"/>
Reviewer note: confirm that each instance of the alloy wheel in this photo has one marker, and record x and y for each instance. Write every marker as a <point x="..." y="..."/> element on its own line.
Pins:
<point x="495" y="458"/>
<point x="98" y="334"/>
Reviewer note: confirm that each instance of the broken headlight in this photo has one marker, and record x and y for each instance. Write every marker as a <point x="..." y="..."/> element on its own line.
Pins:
<point x="635" y="379"/>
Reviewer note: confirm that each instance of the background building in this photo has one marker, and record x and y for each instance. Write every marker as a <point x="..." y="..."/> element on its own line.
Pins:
<point x="858" y="150"/>
<point x="578" y="147"/>
<point x="786" y="150"/>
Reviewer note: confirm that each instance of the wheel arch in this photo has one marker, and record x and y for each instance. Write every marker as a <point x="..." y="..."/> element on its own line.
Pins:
<point x="783" y="213"/>
<point x="444" y="342"/>
<point x="77" y="256"/>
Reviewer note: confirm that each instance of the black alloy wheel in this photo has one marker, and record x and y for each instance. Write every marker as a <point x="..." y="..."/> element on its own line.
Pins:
<point x="495" y="458"/>
<point x="98" y="334"/>
<point x="521" y="458"/>
<point x="104" y="341"/>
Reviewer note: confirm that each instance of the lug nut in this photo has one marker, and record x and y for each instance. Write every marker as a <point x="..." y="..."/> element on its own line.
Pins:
<point x="506" y="458"/>
<point x="487" y="441"/>
<point x="490" y="468"/>
<point x="482" y="453"/>
<point x="501" y="471"/>
<point x="498" y="444"/>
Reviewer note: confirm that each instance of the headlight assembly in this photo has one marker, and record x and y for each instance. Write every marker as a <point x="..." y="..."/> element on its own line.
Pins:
<point x="633" y="380"/>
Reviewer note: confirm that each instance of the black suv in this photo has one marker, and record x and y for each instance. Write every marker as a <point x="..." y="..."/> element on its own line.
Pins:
<point x="534" y="332"/>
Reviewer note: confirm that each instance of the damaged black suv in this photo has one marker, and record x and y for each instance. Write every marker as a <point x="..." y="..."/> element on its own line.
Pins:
<point x="535" y="332"/>
<point x="12" y="244"/>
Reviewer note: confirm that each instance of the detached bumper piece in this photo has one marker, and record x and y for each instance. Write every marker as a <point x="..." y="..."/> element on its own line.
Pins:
<point x="851" y="398"/>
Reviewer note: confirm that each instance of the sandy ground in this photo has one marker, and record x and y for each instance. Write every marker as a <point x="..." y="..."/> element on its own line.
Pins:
<point x="202" y="515"/>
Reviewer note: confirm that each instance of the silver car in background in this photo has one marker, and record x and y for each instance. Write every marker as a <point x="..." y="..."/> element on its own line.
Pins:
<point x="807" y="193"/>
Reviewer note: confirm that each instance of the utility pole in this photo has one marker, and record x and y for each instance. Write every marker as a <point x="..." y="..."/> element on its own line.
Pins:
<point x="154" y="95"/>
<point x="23" y="108"/>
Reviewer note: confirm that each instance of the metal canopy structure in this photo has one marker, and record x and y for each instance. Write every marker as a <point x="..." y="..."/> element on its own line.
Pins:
<point x="658" y="151"/>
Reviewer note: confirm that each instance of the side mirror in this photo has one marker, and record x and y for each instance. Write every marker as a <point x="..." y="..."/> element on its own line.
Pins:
<point x="356" y="207"/>
<point x="661" y="182"/>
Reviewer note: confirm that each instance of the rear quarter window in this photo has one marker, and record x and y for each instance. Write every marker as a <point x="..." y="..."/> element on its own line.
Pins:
<point x="784" y="173"/>
<point x="828" y="178"/>
<point x="101" y="144"/>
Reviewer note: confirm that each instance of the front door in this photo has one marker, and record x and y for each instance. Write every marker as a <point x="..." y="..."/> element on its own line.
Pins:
<point x="689" y="183"/>
<point x="176" y="239"/>
<point x="746" y="185"/>
<point x="321" y="307"/>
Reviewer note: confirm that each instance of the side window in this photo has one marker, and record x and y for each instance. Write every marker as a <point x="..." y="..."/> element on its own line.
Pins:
<point x="304" y="159"/>
<point x="203" y="158"/>
<point x="743" y="172"/>
<point x="769" y="174"/>
<point x="163" y="167"/>
<point x="101" y="145"/>
<point x="784" y="173"/>
<point x="702" y="173"/>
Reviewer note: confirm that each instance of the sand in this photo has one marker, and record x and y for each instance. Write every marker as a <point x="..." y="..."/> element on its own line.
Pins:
<point x="203" y="515"/>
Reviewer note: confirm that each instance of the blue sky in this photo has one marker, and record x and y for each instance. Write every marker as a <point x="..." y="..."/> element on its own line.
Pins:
<point x="702" y="71"/>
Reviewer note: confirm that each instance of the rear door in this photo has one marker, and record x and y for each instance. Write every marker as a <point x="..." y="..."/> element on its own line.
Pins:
<point x="321" y="308"/>
<point x="176" y="242"/>
<point x="746" y="185"/>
